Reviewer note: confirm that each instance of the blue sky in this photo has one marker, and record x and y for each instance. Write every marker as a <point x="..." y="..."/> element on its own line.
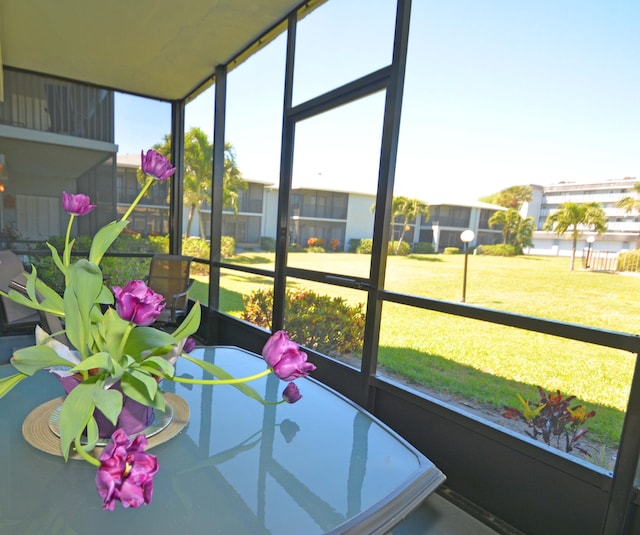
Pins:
<point x="497" y="93"/>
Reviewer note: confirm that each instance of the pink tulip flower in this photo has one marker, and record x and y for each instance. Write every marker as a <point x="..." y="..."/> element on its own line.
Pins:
<point x="126" y="472"/>
<point x="285" y="358"/>
<point x="156" y="165"/>
<point x="76" y="204"/>
<point x="291" y="393"/>
<point x="138" y="303"/>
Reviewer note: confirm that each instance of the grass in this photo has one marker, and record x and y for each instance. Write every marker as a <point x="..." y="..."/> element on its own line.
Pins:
<point x="482" y="361"/>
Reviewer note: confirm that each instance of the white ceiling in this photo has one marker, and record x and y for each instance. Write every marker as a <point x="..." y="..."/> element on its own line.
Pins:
<point x="156" y="48"/>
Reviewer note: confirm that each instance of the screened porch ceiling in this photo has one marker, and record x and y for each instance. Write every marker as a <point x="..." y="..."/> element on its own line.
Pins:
<point x="157" y="48"/>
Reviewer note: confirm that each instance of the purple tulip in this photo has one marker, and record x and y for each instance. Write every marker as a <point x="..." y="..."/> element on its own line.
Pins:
<point x="156" y="165"/>
<point x="291" y="393"/>
<point x="189" y="345"/>
<point x="138" y="303"/>
<point x="76" y="204"/>
<point x="126" y="472"/>
<point x="285" y="358"/>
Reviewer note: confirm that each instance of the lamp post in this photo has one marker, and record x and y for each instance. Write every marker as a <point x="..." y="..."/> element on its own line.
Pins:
<point x="466" y="236"/>
<point x="590" y="240"/>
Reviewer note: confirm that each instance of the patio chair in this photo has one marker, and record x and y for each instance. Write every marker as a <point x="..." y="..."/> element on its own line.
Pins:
<point x="169" y="275"/>
<point x="15" y="318"/>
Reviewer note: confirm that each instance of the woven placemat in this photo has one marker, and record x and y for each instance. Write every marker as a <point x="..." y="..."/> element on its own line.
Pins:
<point x="36" y="430"/>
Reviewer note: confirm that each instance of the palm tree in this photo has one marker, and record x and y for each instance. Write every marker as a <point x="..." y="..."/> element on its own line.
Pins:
<point x="629" y="204"/>
<point x="511" y="197"/>
<point x="523" y="233"/>
<point x="198" y="169"/>
<point x="508" y="220"/>
<point x="571" y="217"/>
<point x="408" y="210"/>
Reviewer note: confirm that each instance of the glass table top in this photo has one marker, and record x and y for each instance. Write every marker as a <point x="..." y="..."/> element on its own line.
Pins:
<point x="321" y="465"/>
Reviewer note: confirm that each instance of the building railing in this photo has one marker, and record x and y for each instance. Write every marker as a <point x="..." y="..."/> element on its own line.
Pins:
<point x="51" y="105"/>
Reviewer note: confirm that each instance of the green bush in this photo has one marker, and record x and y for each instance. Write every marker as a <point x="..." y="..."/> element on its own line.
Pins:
<point x="403" y="250"/>
<point x="315" y="249"/>
<point x="227" y="247"/>
<point x="500" y="250"/>
<point x="628" y="261"/>
<point x="353" y="245"/>
<point x="319" y="322"/>
<point x="267" y="243"/>
<point x="365" y="246"/>
<point x="423" y="248"/>
<point x="451" y="250"/>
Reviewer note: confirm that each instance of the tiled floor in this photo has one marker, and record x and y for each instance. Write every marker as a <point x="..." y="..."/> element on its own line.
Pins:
<point x="438" y="516"/>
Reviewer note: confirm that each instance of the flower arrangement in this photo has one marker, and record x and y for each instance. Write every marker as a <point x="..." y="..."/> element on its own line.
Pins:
<point x="117" y="358"/>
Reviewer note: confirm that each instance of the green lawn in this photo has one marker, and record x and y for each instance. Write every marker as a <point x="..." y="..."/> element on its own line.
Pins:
<point x="478" y="360"/>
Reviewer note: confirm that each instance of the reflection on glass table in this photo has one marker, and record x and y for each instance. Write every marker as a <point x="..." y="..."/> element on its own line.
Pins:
<point x="321" y="465"/>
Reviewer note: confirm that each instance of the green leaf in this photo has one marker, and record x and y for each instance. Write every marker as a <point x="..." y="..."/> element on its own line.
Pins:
<point x="7" y="383"/>
<point x="29" y="360"/>
<point x="190" y="323"/>
<point x="106" y="296"/>
<point x="104" y="238"/>
<point x="109" y="402"/>
<point x="159" y="363"/>
<point x="148" y="338"/>
<point x="56" y="259"/>
<point x="220" y="373"/>
<point x="76" y="410"/>
<point x="134" y="387"/>
<point x="101" y="360"/>
<point x="112" y="329"/>
<point x="84" y="285"/>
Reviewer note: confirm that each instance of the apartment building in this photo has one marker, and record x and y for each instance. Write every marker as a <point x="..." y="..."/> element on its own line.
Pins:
<point x="623" y="228"/>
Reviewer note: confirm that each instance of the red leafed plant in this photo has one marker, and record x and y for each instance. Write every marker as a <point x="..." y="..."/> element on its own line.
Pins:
<point x="553" y="419"/>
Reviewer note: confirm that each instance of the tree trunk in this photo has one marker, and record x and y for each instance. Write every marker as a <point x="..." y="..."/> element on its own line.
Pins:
<point x="187" y="231"/>
<point x="573" y="252"/>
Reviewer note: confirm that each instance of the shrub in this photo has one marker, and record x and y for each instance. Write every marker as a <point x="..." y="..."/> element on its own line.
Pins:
<point x="402" y="250"/>
<point x="423" y="248"/>
<point x="315" y="242"/>
<point x="315" y="249"/>
<point x="353" y="245"/>
<point x="628" y="261"/>
<point x="365" y="246"/>
<point x="553" y="419"/>
<point x="319" y="322"/>
<point x="500" y="250"/>
<point x="334" y="245"/>
<point x="227" y="246"/>
<point x="267" y="243"/>
<point x="451" y="250"/>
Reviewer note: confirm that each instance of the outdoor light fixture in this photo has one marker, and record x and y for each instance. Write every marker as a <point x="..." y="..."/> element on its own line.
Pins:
<point x="466" y="236"/>
<point x="590" y="240"/>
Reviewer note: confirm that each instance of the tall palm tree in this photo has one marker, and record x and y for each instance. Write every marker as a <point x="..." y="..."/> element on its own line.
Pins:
<point x="198" y="169"/>
<point x="630" y="204"/>
<point x="571" y="217"/>
<point x="508" y="220"/>
<point x="408" y="210"/>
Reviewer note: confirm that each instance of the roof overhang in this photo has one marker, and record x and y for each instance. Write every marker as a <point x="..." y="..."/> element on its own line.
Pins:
<point x="157" y="48"/>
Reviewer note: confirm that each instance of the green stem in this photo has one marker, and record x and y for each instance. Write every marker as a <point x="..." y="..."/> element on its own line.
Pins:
<point x="142" y="193"/>
<point x="233" y="381"/>
<point x="67" y="252"/>
<point x="81" y="451"/>
<point x="124" y="339"/>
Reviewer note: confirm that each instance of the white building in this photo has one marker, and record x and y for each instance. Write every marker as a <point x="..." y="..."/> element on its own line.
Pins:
<point x="623" y="228"/>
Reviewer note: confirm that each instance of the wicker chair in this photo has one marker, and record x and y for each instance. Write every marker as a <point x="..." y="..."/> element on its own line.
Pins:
<point x="16" y="318"/>
<point x="170" y="276"/>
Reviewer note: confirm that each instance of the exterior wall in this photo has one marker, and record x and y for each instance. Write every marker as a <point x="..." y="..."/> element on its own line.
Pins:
<point x="359" y="218"/>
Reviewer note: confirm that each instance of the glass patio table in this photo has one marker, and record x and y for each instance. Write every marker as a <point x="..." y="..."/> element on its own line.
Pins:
<point x="321" y="465"/>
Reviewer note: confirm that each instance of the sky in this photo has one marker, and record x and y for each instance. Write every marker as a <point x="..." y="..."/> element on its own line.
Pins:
<point x="497" y="93"/>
